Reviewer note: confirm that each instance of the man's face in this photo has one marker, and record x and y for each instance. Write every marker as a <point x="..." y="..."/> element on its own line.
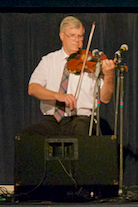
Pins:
<point x="72" y="39"/>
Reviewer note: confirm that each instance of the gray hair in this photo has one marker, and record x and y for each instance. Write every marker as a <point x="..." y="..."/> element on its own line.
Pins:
<point x="72" y="21"/>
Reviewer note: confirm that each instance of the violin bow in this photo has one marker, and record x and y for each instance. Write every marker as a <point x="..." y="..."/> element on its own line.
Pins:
<point x="84" y="62"/>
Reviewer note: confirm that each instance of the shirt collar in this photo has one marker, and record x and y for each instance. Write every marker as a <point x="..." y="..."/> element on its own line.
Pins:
<point x="63" y="54"/>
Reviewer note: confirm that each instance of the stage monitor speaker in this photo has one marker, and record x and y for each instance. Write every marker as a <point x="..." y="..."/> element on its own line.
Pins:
<point x="65" y="161"/>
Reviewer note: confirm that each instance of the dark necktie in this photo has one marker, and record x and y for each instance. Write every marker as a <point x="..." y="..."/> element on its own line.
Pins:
<point x="60" y="106"/>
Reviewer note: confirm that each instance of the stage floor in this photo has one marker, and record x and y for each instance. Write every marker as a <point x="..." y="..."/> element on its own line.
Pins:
<point x="105" y="202"/>
<point x="95" y="196"/>
<point x="93" y="204"/>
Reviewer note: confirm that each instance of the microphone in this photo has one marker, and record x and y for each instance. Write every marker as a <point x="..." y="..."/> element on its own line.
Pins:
<point x="101" y="53"/>
<point x="95" y="52"/>
<point x="122" y="49"/>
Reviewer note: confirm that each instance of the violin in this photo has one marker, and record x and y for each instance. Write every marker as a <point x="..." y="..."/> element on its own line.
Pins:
<point x="75" y="61"/>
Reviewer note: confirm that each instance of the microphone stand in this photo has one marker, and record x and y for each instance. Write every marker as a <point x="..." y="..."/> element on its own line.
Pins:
<point x="120" y="86"/>
<point x="97" y="85"/>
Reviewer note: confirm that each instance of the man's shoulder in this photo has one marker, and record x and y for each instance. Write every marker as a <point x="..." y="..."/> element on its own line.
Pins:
<point x="52" y="54"/>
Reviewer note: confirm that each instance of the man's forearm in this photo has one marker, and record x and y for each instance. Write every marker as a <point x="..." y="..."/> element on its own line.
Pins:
<point x="40" y="92"/>
<point x="107" y="89"/>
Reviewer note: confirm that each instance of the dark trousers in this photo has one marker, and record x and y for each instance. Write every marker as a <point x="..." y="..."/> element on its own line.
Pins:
<point x="75" y="125"/>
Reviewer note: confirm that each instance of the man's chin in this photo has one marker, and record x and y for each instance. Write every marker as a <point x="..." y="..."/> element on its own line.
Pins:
<point x="75" y="51"/>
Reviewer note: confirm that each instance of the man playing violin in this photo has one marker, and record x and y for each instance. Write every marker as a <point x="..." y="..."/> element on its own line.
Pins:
<point x="45" y="82"/>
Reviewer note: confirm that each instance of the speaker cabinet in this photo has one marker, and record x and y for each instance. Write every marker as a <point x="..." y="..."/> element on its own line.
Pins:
<point x="65" y="161"/>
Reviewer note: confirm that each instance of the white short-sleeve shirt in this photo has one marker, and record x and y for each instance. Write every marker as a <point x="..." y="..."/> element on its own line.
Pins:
<point x="49" y="72"/>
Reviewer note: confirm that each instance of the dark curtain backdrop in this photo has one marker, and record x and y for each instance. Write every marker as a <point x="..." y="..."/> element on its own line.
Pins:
<point x="24" y="39"/>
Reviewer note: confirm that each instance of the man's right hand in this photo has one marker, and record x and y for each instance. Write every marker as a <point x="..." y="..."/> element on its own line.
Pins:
<point x="69" y="100"/>
<point x="42" y="93"/>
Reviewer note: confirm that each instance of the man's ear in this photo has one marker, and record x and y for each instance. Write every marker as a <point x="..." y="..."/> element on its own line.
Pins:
<point x="61" y="35"/>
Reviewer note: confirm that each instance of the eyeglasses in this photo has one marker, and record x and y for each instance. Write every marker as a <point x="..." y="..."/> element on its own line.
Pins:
<point x="73" y="36"/>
